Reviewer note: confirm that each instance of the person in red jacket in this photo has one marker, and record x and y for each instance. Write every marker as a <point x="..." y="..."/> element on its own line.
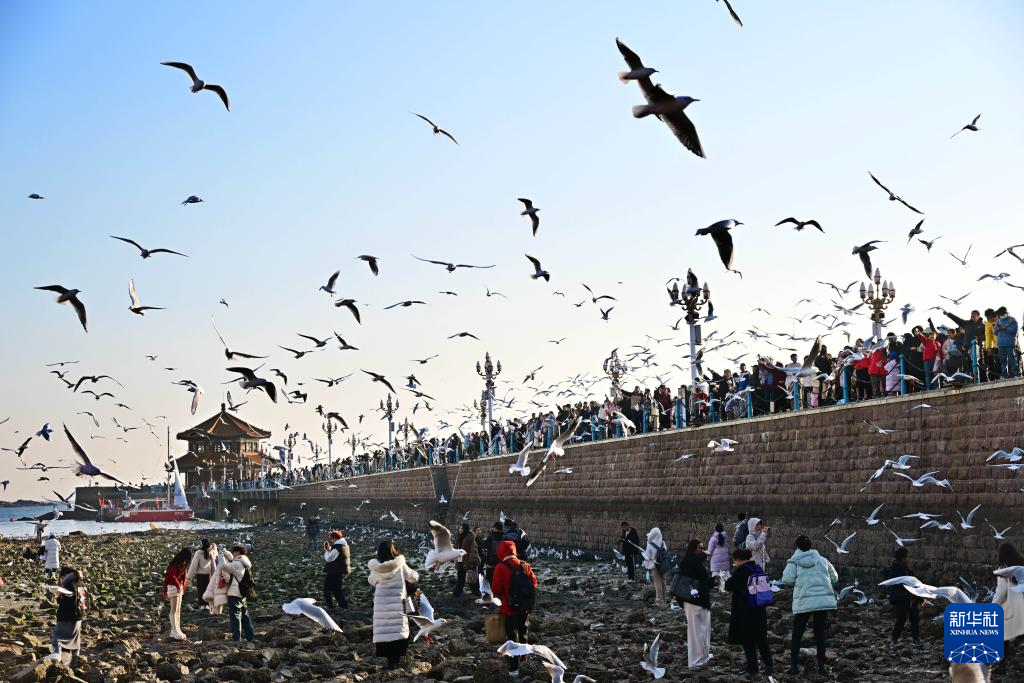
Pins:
<point x="931" y="353"/>
<point x="877" y="372"/>
<point x="517" y="623"/>
<point x="175" y="580"/>
<point x="862" y="372"/>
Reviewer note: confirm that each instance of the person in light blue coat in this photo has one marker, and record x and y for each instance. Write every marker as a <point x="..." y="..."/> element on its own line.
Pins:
<point x="813" y="579"/>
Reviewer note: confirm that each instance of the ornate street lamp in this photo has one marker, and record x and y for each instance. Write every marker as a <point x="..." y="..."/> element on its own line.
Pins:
<point x="693" y="298"/>
<point x="877" y="295"/>
<point x="329" y="429"/>
<point x="389" y="409"/>
<point x="615" y="369"/>
<point x="488" y="372"/>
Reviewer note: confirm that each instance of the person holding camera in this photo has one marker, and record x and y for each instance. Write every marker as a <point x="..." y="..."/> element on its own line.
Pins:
<point x="337" y="565"/>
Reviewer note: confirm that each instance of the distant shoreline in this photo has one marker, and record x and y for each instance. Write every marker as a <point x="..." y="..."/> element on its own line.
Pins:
<point x="23" y="504"/>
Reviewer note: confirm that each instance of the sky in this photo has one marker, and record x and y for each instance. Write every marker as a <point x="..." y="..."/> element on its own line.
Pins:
<point x="321" y="160"/>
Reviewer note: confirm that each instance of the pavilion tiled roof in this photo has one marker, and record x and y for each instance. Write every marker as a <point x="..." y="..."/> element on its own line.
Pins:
<point x="224" y="425"/>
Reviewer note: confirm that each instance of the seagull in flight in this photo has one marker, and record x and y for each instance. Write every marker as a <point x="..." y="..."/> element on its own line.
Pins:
<point x="594" y="298"/>
<point x="345" y="346"/>
<point x="864" y="252"/>
<point x="800" y="225"/>
<point x="136" y="306"/>
<point x="370" y="261"/>
<point x="839" y="290"/>
<point x="723" y="240"/>
<point x="926" y="478"/>
<point x="732" y="13"/>
<point x="437" y="130"/>
<point x="637" y="70"/>
<point x="972" y="126"/>
<point x="916" y="230"/>
<point x="956" y="302"/>
<point x="464" y="334"/>
<point x="450" y="267"/>
<point x="350" y="304"/>
<point x="381" y="379"/>
<point x="146" y="253"/>
<point x="423" y="361"/>
<point x="329" y="287"/>
<point x="85" y="467"/>
<point x="928" y="245"/>
<point x="249" y="380"/>
<point x="228" y="353"/>
<point x="191" y="199"/>
<point x="670" y="110"/>
<point x="880" y="430"/>
<point x="841" y="547"/>
<point x="893" y="197"/>
<point x="538" y="272"/>
<point x="198" y="85"/>
<point x="530" y="211"/>
<point x="963" y="261"/>
<point x="64" y="296"/>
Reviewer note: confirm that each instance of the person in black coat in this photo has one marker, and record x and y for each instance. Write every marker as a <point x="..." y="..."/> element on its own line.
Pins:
<point x="904" y="603"/>
<point x="489" y="549"/>
<point x="694" y="566"/>
<point x="748" y="626"/>
<point x="630" y="548"/>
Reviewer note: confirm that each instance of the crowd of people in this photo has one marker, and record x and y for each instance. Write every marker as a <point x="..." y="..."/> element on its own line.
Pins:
<point x="495" y="564"/>
<point x="742" y="566"/>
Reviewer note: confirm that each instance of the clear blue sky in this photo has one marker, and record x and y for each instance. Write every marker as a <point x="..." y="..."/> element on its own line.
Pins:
<point x="320" y="160"/>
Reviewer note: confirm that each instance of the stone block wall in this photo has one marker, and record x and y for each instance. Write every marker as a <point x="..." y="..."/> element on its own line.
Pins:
<point x="798" y="471"/>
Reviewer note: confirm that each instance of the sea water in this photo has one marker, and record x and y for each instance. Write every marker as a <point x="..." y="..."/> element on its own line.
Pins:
<point x="61" y="527"/>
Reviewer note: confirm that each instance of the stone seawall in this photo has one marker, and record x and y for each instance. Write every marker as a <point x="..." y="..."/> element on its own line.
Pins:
<point x="797" y="471"/>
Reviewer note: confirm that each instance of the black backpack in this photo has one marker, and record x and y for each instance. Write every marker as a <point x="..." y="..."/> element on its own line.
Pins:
<point x="247" y="587"/>
<point x="522" y="594"/>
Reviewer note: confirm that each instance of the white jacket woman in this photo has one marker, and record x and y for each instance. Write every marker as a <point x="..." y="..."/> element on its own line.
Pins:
<point x="201" y="564"/>
<point x="52" y="553"/>
<point x="1013" y="609"/>
<point x="216" y="594"/>
<point x="234" y="570"/>
<point x="756" y="540"/>
<point x="655" y="542"/>
<point x="388" y="579"/>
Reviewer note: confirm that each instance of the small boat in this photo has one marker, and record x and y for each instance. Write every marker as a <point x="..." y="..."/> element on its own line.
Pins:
<point x="174" y="509"/>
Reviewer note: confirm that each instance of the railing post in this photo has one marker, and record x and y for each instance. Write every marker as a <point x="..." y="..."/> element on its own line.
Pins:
<point x="750" y="405"/>
<point x="645" y="419"/>
<point x="593" y="429"/>
<point x="797" y="388"/>
<point x="846" y="384"/>
<point x="903" y="373"/>
<point x="974" y="360"/>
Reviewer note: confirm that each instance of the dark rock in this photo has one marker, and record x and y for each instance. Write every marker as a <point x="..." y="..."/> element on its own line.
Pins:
<point x="171" y="671"/>
<point x="34" y="673"/>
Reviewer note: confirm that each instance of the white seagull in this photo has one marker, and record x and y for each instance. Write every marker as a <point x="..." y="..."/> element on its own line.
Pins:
<point x="305" y="607"/>
<point x="442" y="551"/>
<point x="923" y="590"/>
<point x="723" y="446"/>
<point x="650" y="660"/>
<point x="841" y="547"/>
<point x="425" y="619"/>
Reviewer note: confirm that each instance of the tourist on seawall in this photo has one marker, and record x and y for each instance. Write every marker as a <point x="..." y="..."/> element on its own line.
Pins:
<point x="656" y="546"/>
<point x="814" y="595"/>
<point x="905" y="604"/>
<point x="389" y="576"/>
<point x="718" y="551"/>
<point x="236" y="565"/>
<point x="748" y="624"/>
<point x="337" y="565"/>
<point x="201" y="567"/>
<point x="515" y="584"/>
<point x="175" y="583"/>
<point x="1011" y="601"/>
<point x="71" y="609"/>
<point x="696" y="603"/>
<point x="757" y="541"/>
<point x="630" y="545"/>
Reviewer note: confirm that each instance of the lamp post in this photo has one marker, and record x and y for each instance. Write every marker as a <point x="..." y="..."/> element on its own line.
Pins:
<point x="488" y="372"/>
<point x="877" y="295"/>
<point x="694" y="298"/>
<point x="389" y="412"/>
<point x="329" y="429"/>
<point x="290" y="442"/>
<point x="615" y="369"/>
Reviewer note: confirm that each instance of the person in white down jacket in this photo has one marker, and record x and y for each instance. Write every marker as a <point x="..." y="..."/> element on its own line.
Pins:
<point x="389" y="575"/>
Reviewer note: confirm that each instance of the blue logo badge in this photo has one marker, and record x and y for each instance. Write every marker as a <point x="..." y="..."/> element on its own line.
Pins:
<point x="974" y="633"/>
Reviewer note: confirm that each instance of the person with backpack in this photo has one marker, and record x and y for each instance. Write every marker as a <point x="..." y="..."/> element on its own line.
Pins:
<point x="718" y="550"/>
<point x="71" y="608"/>
<point x="514" y="582"/>
<point x="693" y="594"/>
<point x="742" y="529"/>
<point x="748" y="622"/>
<point x="813" y="579"/>
<point x="237" y="570"/>
<point x="630" y="549"/>
<point x="757" y="538"/>
<point x="175" y="582"/>
<point x="658" y="561"/>
<point x="202" y="567"/>
<point x="337" y="565"/>
<point x="905" y="604"/>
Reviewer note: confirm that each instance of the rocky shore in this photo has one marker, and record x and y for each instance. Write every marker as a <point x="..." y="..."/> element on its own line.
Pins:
<point x="587" y="613"/>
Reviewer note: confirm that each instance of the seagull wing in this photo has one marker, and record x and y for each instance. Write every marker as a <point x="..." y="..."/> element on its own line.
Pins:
<point x="80" y="311"/>
<point x="132" y="294"/>
<point x="442" y="537"/>
<point x="245" y="372"/>
<point x="528" y="203"/>
<point x="787" y="220"/>
<point x="723" y="240"/>
<point x="535" y="262"/>
<point x="879" y="183"/>
<point x="632" y="59"/>
<point x="448" y="135"/>
<point x="425" y="608"/>
<point x="161" y="250"/>
<point x="332" y="279"/>
<point x="187" y="68"/>
<point x="132" y="242"/>
<point x="432" y="124"/>
<point x="684" y="130"/>
<point x="220" y="93"/>
<point x="732" y="13"/>
<point x="77" y="449"/>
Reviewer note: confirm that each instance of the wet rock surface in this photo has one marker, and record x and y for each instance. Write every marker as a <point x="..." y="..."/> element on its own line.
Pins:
<point x="587" y="612"/>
